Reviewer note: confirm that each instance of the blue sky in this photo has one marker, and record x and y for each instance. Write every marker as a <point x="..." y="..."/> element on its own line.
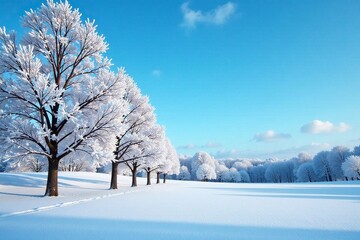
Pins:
<point x="252" y="79"/>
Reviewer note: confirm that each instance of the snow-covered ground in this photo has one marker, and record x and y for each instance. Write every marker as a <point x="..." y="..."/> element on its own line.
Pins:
<point x="86" y="209"/>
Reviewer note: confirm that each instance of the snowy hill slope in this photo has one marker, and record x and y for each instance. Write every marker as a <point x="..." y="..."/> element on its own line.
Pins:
<point x="86" y="209"/>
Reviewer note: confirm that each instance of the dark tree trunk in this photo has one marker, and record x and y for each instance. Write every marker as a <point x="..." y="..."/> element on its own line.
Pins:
<point x="134" y="179"/>
<point x="157" y="177"/>
<point x="330" y="178"/>
<point x="148" y="178"/>
<point x="164" y="178"/>
<point x="328" y="174"/>
<point x="114" y="174"/>
<point x="52" y="180"/>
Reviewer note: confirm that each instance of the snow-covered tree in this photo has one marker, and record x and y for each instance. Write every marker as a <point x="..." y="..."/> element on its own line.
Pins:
<point x="123" y="170"/>
<point x="76" y="164"/>
<point x="29" y="164"/>
<point x="147" y="148"/>
<point x="288" y="171"/>
<point x="299" y="160"/>
<point x="336" y="158"/>
<point x="205" y="172"/>
<point x="36" y="164"/>
<point x="57" y="93"/>
<point x="257" y="174"/>
<point x="160" y="159"/>
<point x="201" y="158"/>
<point x="356" y="151"/>
<point x="171" y="164"/>
<point x="138" y="140"/>
<point x="3" y="165"/>
<point x="279" y="172"/>
<point x="273" y="173"/>
<point x="351" y="167"/>
<point x="306" y="173"/>
<point x="322" y="166"/>
<point x="222" y="173"/>
<point x="184" y="173"/>
<point x="234" y="175"/>
<point x="244" y="176"/>
<point x="242" y="165"/>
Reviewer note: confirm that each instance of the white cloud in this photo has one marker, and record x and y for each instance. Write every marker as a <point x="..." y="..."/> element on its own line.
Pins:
<point x="311" y="149"/>
<point x="286" y="153"/>
<point x="156" y="72"/>
<point x="206" y="145"/>
<point x="211" y="145"/>
<point x="319" y="127"/>
<point x="355" y="140"/>
<point x="226" y="154"/>
<point x="218" y="16"/>
<point x="188" y="146"/>
<point x="269" y="136"/>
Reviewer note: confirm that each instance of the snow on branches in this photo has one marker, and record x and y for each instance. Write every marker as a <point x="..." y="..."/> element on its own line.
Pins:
<point x="60" y="101"/>
<point x="57" y="92"/>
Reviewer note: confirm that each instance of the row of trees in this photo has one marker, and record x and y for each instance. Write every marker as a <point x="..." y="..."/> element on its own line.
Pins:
<point x="204" y="167"/>
<point x="61" y="104"/>
<point x="340" y="163"/>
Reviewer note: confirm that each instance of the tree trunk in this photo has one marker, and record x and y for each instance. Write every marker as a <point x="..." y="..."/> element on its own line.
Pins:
<point x="328" y="174"/>
<point x="164" y="178"/>
<point x="330" y="178"/>
<point x="148" y="178"/>
<point x="114" y="174"/>
<point x="52" y="180"/>
<point x="134" y="179"/>
<point x="157" y="177"/>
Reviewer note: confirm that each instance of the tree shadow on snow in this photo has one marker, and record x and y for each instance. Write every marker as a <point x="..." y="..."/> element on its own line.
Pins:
<point x="23" y="180"/>
<point x="38" y="180"/>
<point x="296" y="196"/>
<point x="83" y="180"/>
<point x="20" y="194"/>
<point x="315" y="192"/>
<point x="39" y="226"/>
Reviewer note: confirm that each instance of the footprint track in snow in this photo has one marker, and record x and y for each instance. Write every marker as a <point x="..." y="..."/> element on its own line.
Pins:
<point x="65" y="204"/>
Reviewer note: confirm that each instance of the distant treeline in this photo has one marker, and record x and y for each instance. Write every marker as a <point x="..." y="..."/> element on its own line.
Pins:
<point x="339" y="164"/>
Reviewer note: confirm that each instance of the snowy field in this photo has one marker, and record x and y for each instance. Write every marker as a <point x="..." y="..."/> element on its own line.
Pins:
<point x="86" y="209"/>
